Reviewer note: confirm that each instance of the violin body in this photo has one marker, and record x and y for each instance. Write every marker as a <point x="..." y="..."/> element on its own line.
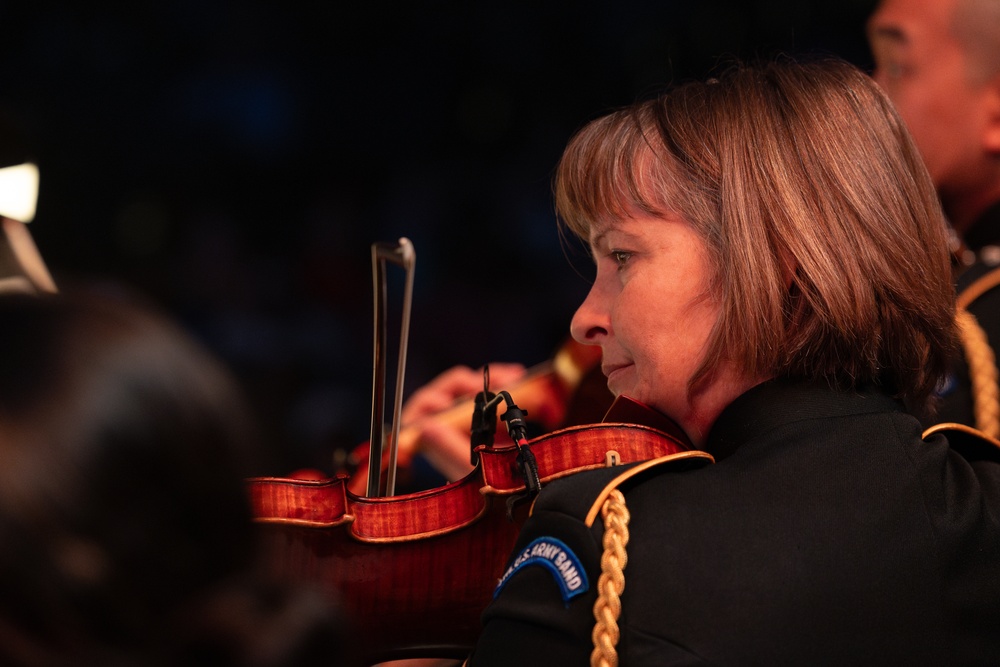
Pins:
<point x="406" y="595"/>
<point x="414" y="572"/>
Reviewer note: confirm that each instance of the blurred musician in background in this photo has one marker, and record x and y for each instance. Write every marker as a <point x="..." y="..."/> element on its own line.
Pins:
<point x="939" y="62"/>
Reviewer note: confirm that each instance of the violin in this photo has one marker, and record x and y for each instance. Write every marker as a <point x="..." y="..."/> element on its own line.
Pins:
<point x="415" y="571"/>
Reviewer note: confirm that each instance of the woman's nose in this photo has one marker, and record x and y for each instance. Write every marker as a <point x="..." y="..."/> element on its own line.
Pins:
<point x="590" y="323"/>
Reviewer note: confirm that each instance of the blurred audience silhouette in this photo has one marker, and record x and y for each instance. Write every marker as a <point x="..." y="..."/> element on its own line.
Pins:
<point x="124" y="519"/>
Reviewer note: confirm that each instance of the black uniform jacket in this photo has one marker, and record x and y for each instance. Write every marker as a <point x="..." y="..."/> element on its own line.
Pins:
<point x="827" y="533"/>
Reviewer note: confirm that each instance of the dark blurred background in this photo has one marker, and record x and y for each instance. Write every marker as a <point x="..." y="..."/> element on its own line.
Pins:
<point x="233" y="161"/>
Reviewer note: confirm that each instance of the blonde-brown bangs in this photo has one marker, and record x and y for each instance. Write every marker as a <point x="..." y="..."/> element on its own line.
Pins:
<point x="608" y="172"/>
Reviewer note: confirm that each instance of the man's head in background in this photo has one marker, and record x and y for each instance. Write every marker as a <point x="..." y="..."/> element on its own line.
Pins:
<point x="939" y="61"/>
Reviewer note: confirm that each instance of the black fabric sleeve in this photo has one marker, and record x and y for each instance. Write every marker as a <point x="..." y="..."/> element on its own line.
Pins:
<point x="534" y="619"/>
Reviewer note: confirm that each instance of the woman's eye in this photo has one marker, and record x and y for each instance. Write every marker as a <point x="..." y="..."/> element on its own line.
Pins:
<point x="621" y="257"/>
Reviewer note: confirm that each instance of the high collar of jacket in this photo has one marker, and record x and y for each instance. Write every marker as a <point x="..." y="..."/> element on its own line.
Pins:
<point x="780" y="402"/>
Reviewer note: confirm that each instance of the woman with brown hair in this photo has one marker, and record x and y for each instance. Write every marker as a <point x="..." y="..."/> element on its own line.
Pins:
<point x="772" y="274"/>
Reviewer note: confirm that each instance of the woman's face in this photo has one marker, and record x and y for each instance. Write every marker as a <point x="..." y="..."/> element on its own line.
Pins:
<point x="651" y="311"/>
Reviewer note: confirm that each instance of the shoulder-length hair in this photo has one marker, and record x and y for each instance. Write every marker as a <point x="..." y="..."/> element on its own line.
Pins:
<point x="829" y="247"/>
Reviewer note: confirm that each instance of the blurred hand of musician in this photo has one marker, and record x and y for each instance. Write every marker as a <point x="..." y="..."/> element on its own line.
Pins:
<point x="445" y="442"/>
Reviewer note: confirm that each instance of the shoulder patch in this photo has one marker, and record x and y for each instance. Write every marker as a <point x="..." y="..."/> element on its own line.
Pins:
<point x="558" y="559"/>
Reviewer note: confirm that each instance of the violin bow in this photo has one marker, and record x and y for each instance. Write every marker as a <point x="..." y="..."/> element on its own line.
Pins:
<point x="402" y="254"/>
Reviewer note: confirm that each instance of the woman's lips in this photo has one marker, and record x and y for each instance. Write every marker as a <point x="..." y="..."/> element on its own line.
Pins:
<point x="613" y="370"/>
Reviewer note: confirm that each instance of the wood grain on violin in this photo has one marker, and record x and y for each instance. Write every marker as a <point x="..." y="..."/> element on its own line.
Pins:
<point x="413" y="573"/>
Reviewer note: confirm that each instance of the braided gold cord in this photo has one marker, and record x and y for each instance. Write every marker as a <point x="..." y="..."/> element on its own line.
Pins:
<point x="982" y="373"/>
<point x="611" y="583"/>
